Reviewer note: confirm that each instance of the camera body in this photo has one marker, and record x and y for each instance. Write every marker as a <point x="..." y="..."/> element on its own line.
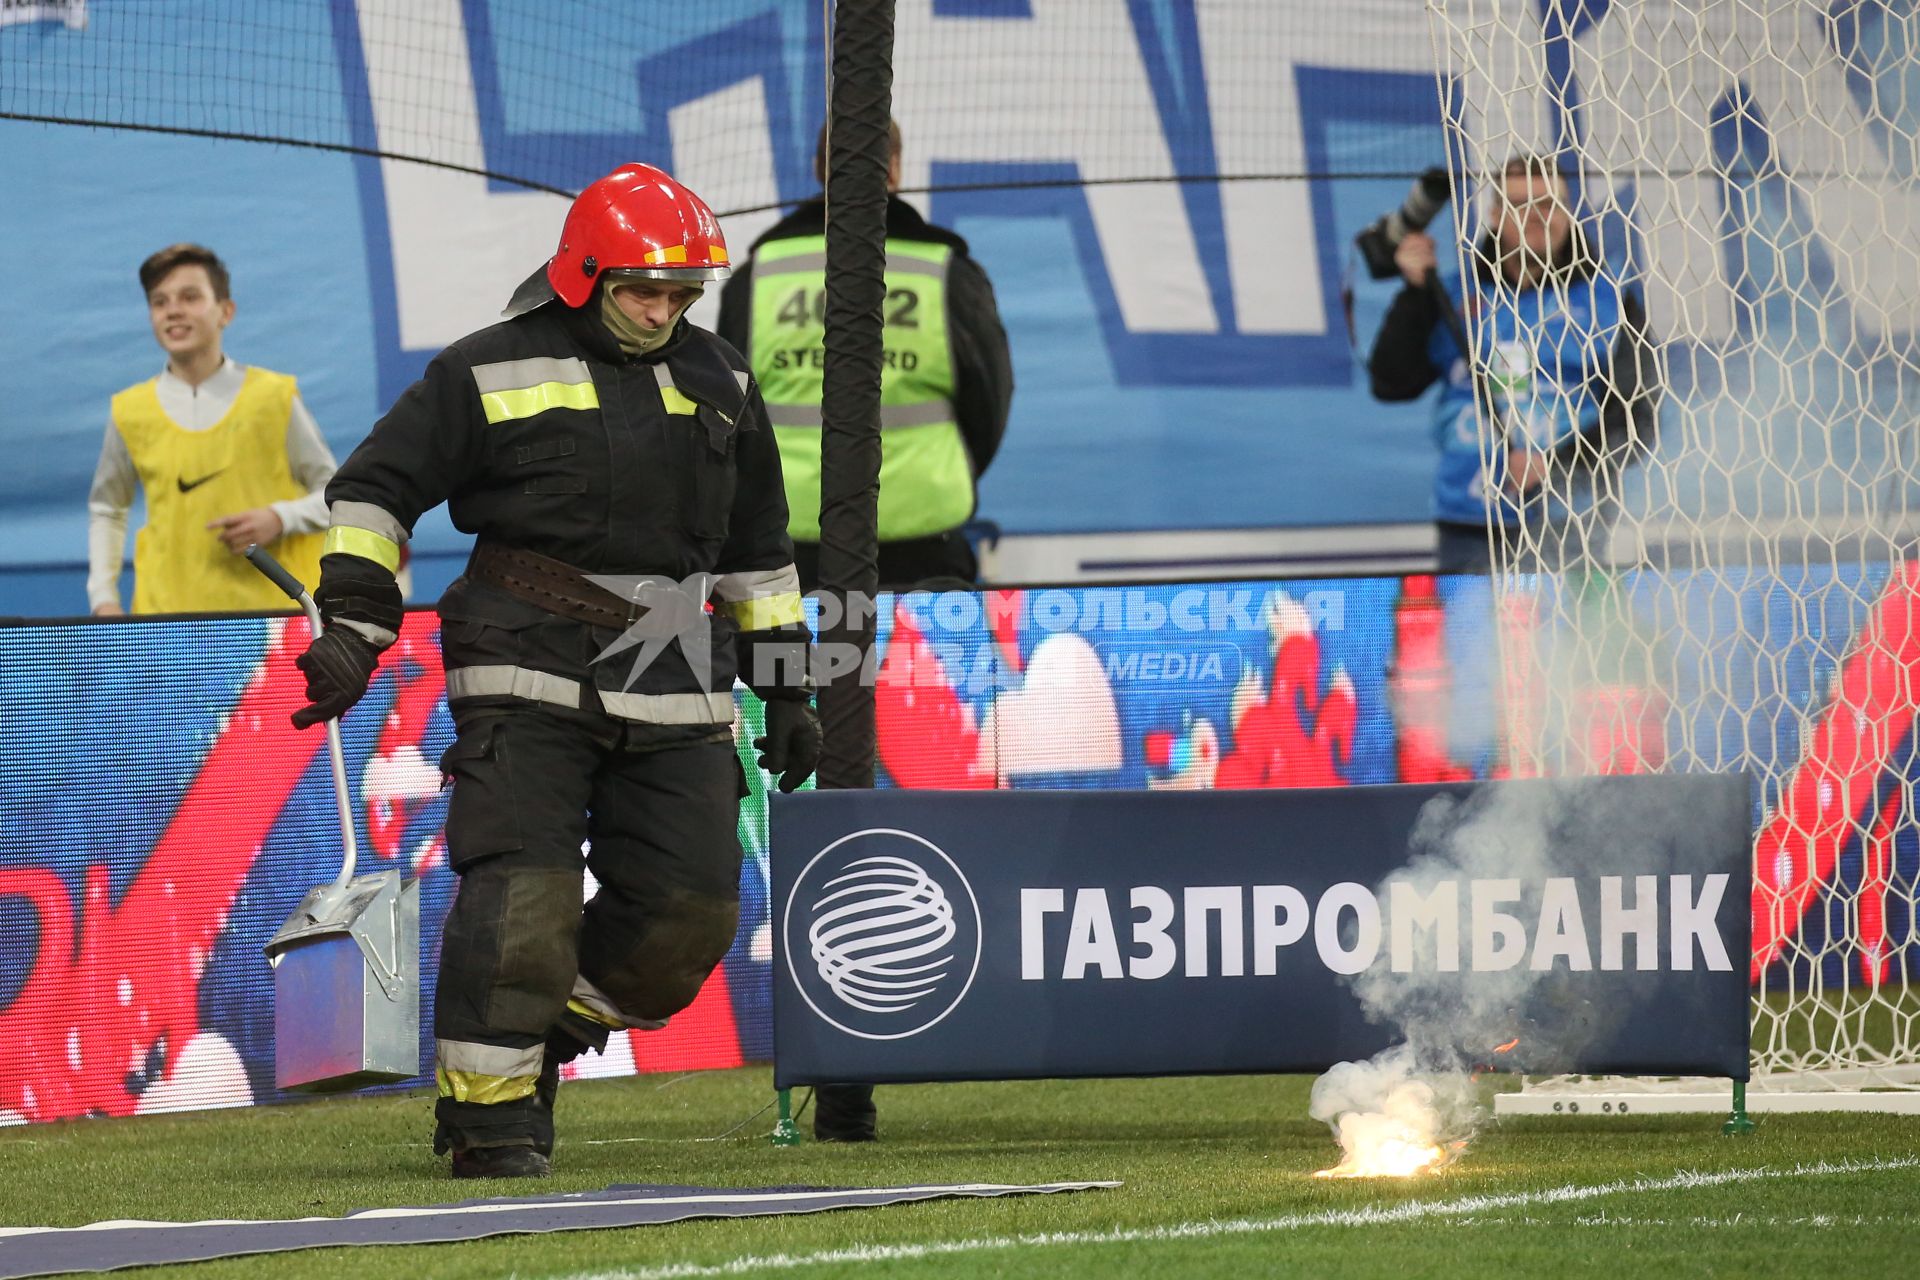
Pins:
<point x="1430" y="193"/>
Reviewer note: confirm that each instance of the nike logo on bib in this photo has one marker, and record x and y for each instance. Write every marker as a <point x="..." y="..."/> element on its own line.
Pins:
<point x="188" y="486"/>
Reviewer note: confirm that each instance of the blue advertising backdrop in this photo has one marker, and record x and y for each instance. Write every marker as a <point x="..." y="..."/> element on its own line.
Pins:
<point x="1139" y="381"/>
<point x="939" y="936"/>
<point x="1165" y="193"/>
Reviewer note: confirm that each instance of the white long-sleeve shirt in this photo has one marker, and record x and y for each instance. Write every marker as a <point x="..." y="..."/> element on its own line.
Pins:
<point x="115" y="483"/>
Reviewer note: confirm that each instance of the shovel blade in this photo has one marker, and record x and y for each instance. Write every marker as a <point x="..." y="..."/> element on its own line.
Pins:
<point x="347" y="990"/>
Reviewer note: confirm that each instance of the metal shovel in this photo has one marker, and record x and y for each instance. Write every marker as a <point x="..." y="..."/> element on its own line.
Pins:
<point x="346" y="964"/>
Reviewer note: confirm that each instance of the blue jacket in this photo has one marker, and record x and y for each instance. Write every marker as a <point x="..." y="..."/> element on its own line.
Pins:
<point x="1565" y="370"/>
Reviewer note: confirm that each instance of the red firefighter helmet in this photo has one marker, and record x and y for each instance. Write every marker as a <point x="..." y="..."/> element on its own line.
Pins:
<point x="637" y="221"/>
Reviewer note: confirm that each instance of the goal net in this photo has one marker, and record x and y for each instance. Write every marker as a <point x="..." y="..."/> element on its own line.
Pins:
<point x="1714" y="570"/>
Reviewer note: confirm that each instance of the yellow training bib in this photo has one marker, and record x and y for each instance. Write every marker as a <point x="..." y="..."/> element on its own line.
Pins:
<point x="194" y="477"/>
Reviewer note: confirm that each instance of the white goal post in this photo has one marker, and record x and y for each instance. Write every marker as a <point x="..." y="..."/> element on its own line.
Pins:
<point x="1732" y="583"/>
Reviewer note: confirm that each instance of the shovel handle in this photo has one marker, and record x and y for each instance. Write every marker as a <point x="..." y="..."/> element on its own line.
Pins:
<point x="277" y="574"/>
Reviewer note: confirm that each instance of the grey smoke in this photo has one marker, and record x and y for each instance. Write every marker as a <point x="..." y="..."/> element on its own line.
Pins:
<point x="1448" y="1018"/>
<point x="1451" y="1022"/>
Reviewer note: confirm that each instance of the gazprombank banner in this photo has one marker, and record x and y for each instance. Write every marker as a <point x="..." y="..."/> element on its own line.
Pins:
<point x="1001" y="935"/>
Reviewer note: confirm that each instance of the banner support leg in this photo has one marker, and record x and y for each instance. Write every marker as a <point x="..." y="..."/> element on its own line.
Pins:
<point x="785" y="1132"/>
<point x="1739" y="1124"/>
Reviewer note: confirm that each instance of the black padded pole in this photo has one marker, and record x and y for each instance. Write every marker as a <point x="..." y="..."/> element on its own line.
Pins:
<point x="859" y="109"/>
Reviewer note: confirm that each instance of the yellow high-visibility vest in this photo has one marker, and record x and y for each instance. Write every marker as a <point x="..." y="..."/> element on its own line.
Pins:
<point x="926" y="478"/>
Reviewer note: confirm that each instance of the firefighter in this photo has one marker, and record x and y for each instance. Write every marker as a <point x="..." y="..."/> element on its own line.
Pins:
<point x="615" y="465"/>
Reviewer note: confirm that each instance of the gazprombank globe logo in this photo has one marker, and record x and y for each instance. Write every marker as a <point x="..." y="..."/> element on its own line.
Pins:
<point x="882" y="934"/>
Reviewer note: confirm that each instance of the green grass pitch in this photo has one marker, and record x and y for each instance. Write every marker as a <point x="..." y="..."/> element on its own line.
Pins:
<point x="1215" y="1172"/>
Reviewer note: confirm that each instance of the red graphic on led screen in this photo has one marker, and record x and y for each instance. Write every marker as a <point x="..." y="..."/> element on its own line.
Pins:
<point x="138" y="882"/>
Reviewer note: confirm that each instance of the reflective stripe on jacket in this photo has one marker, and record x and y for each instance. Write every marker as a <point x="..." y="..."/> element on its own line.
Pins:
<point x="540" y="434"/>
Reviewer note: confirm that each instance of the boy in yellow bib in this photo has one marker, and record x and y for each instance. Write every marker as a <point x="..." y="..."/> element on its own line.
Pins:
<point x="225" y="455"/>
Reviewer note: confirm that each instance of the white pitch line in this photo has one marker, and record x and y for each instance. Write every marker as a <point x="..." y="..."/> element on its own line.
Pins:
<point x="1408" y="1211"/>
<point x="1741" y="1221"/>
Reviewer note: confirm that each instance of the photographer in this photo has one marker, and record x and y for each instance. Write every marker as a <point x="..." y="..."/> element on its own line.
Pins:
<point x="1563" y="369"/>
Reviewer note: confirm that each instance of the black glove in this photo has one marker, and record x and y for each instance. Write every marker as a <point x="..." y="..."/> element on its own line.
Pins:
<point x="791" y="747"/>
<point x="338" y="665"/>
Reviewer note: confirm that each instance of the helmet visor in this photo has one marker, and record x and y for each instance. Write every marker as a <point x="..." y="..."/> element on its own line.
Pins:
<point x="670" y="275"/>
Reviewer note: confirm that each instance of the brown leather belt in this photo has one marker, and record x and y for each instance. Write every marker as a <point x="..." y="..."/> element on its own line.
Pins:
<point x="553" y="585"/>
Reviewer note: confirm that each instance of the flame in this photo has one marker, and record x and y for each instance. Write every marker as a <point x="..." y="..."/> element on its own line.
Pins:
<point x="1390" y="1122"/>
<point x="1480" y="1068"/>
<point x="1382" y="1146"/>
<point x="1388" y="1158"/>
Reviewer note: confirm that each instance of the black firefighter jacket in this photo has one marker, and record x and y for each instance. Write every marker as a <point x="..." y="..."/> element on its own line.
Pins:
<point x="540" y="434"/>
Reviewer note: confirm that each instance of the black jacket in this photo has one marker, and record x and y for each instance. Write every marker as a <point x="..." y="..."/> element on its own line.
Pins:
<point x="625" y="488"/>
<point x="983" y="367"/>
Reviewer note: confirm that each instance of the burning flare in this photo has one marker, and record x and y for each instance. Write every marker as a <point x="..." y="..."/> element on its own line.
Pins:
<point x="1399" y="1140"/>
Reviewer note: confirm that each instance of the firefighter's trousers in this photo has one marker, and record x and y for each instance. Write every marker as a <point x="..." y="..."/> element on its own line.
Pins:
<point x="522" y="961"/>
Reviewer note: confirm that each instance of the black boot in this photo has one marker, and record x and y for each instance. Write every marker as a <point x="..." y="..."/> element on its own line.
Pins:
<point x="570" y="1037"/>
<point x="481" y="1137"/>
<point x="844" y="1113"/>
<point x="500" y="1162"/>
<point x="546" y="1090"/>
